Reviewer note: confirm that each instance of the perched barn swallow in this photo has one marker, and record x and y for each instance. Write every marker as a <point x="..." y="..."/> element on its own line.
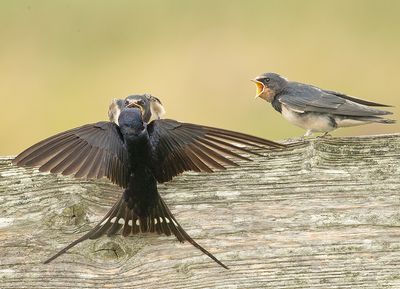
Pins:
<point x="137" y="155"/>
<point x="316" y="109"/>
<point x="151" y="105"/>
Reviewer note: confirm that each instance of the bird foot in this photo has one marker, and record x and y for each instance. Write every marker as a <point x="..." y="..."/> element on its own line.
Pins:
<point x="325" y="135"/>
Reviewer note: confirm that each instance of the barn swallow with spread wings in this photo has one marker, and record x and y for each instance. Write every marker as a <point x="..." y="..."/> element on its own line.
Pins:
<point x="316" y="109"/>
<point x="136" y="155"/>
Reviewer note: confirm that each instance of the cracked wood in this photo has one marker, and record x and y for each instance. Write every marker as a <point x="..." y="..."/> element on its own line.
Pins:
<point x="322" y="214"/>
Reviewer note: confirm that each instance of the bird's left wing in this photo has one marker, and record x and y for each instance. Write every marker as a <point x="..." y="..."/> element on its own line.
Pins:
<point x="179" y="147"/>
<point x="306" y="98"/>
<point x="90" y="151"/>
<point x="355" y="99"/>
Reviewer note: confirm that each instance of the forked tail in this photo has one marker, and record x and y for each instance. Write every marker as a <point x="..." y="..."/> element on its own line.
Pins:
<point x="160" y="220"/>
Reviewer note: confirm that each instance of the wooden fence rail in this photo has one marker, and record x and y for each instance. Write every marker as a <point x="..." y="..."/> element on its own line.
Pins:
<point x="324" y="213"/>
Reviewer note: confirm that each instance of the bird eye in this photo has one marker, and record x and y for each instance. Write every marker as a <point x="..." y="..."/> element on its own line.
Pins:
<point x="140" y="102"/>
<point x="267" y="79"/>
<point x="126" y="102"/>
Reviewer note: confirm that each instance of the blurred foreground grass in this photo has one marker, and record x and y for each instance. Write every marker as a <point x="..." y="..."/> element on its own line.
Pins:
<point x="61" y="62"/>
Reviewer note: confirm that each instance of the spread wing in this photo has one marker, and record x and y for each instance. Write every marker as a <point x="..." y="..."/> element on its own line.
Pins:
<point x="179" y="147"/>
<point x="90" y="151"/>
<point x="306" y="98"/>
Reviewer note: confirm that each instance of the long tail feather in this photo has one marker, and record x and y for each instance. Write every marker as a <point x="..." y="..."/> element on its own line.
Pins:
<point x="122" y="218"/>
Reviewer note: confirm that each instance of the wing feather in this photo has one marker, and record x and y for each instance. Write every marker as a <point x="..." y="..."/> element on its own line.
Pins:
<point x="90" y="151"/>
<point x="179" y="147"/>
<point x="307" y="98"/>
<point x="357" y="100"/>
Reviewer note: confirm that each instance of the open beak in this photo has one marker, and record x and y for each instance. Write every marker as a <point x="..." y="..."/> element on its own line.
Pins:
<point x="134" y="104"/>
<point x="259" y="86"/>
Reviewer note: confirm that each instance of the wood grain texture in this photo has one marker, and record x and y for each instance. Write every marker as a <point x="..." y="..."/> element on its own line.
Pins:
<point x="322" y="214"/>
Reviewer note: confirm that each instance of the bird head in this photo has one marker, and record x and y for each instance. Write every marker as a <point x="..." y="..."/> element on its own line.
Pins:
<point x="269" y="85"/>
<point x="150" y="106"/>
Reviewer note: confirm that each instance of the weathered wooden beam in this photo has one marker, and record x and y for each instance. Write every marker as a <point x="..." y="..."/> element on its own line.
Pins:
<point x="324" y="213"/>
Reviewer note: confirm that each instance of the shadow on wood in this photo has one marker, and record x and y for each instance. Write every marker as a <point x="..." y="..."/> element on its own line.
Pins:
<point x="322" y="214"/>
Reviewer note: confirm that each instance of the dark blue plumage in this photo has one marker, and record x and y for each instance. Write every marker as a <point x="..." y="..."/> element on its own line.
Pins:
<point x="141" y="194"/>
<point x="137" y="155"/>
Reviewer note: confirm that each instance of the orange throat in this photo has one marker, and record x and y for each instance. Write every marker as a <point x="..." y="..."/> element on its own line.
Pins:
<point x="263" y="92"/>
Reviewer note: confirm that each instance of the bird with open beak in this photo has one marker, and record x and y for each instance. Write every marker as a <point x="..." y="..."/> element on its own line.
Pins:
<point x="316" y="109"/>
<point x="151" y="105"/>
<point x="137" y="154"/>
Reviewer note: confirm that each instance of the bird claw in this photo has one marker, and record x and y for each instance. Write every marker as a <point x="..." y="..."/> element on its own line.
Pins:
<point x="325" y="135"/>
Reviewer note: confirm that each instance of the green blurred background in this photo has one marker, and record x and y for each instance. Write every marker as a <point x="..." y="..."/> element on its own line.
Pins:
<point x="61" y="62"/>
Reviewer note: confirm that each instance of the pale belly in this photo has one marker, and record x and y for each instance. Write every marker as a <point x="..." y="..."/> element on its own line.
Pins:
<point x="309" y="121"/>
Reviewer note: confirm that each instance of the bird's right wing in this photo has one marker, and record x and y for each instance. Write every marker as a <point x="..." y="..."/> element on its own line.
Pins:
<point x="306" y="98"/>
<point x="179" y="147"/>
<point x="90" y="151"/>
